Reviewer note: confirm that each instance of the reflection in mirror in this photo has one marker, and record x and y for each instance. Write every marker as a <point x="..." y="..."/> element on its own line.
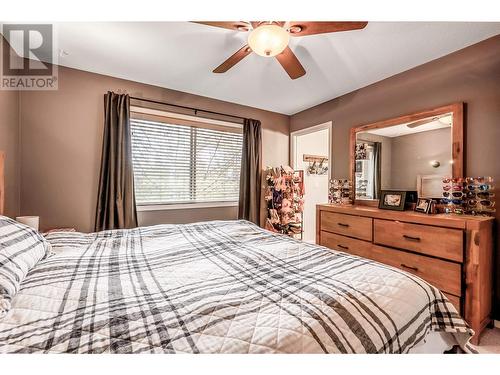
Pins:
<point x="410" y="156"/>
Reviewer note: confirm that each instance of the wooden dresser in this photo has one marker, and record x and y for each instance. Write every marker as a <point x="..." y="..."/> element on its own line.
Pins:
<point x="453" y="253"/>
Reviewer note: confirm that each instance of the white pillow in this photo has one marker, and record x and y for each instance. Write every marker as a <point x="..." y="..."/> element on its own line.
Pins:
<point x="21" y="248"/>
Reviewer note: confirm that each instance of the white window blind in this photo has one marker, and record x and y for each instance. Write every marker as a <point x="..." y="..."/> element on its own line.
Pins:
<point x="176" y="164"/>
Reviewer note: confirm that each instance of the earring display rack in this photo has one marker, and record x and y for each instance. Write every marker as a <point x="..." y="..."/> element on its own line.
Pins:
<point x="285" y="201"/>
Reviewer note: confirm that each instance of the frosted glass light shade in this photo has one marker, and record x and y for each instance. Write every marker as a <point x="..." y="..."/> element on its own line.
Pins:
<point x="268" y="40"/>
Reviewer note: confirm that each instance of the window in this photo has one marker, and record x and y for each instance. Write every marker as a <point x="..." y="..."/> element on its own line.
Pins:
<point x="185" y="163"/>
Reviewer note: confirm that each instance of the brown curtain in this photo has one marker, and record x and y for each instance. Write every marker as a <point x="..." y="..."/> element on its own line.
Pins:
<point x="377" y="156"/>
<point x="116" y="199"/>
<point x="250" y="179"/>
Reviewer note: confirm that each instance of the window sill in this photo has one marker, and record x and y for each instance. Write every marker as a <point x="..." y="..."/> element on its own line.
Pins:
<point x="184" y="206"/>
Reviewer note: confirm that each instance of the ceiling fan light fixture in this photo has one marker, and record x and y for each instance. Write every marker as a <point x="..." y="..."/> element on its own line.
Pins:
<point x="268" y="40"/>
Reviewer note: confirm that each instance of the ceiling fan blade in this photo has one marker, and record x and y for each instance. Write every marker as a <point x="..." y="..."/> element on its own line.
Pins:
<point x="290" y="63"/>
<point x="298" y="28"/>
<point x="255" y="24"/>
<point x="233" y="60"/>
<point x="424" y="121"/>
<point x="231" y="25"/>
<point x="418" y="123"/>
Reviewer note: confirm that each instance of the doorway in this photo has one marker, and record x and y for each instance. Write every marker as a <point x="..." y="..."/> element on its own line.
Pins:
<point x="311" y="152"/>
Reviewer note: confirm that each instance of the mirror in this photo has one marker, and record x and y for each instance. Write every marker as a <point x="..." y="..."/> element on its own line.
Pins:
<point x="412" y="152"/>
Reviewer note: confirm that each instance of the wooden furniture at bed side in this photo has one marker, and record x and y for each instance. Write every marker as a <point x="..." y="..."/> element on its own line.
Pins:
<point x="2" y="182"/>
<point x="454" y="253"/>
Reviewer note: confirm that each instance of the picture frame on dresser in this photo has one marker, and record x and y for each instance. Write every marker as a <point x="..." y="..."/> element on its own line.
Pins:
<point x="423" y="205"/>
<point x="392" y="200"/>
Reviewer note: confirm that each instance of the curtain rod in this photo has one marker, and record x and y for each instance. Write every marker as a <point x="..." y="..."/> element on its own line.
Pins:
<point x="196" y="110"/>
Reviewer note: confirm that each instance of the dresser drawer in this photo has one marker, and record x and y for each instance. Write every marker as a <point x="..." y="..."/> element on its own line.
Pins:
<point x="345" y="244"/>
<point x="444" y="275"/>
<point x="347" y="225"/>
<point x="440" y="242"/>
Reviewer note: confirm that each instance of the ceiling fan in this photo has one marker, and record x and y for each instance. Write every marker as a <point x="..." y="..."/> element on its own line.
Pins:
<point x="439" y="118"/>
<point x="270" y="39"/>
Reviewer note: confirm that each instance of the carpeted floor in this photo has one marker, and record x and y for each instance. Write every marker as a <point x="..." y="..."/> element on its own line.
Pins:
<point x="490" y="341"/>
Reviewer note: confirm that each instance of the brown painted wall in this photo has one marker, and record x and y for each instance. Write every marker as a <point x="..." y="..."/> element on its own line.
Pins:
<point x="61" y="137"/>
<point x="411" y="156"/>
<point x="9" y="143"/>
<point x="471" y="75"/>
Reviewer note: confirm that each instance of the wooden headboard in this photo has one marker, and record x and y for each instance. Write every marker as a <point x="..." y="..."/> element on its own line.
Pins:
<point x="2" y="182"/>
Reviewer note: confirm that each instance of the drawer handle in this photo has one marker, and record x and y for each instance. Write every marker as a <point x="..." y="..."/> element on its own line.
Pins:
<point x="410" y="238"/>
<point x="344" y="247"/>
<point x="408" y="267"/>
<point x="343" y="225"/>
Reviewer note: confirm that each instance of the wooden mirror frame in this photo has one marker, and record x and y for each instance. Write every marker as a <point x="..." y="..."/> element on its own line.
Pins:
<point x="457" y="139"/>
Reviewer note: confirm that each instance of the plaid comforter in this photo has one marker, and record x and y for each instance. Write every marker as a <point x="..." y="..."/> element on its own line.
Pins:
<point x="218" y="287"/>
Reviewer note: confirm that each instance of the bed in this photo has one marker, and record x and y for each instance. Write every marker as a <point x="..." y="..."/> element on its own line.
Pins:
<point x="220" y="287"/>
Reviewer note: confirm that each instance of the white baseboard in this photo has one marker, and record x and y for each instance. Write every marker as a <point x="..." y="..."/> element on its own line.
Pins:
<point x="496" y="323"/>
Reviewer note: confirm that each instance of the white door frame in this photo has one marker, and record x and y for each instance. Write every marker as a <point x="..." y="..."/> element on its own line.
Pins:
<point x="312" y="129"/>
<point x="293" y="148"/>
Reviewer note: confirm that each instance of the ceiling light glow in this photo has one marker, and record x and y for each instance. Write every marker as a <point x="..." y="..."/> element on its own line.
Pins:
<point x="268" y="40"/>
